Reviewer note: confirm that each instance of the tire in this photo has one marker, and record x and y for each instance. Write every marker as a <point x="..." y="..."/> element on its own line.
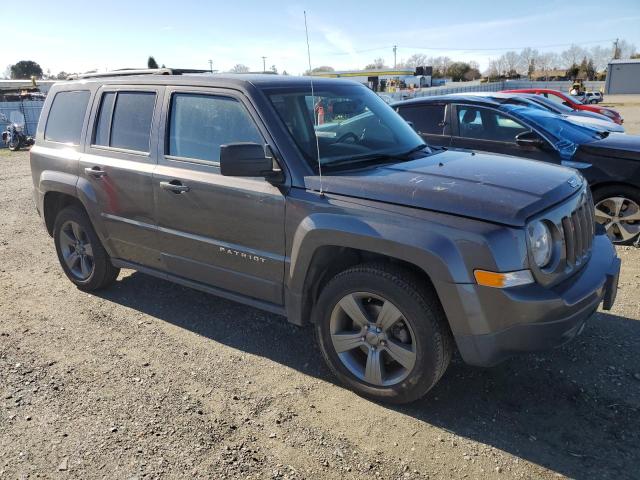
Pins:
<point x="420" y="331"/>
<point x="90" y="269"/>
<point x="14" y="145"/>
<point x="626" y="200"/>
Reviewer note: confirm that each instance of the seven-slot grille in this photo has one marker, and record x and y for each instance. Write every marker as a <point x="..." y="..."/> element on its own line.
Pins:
<point x="579" y="229"/>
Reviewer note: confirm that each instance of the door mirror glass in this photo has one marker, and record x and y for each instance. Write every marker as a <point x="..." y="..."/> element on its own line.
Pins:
<point x="529" y="139"/>
<point x="247" y="160"/>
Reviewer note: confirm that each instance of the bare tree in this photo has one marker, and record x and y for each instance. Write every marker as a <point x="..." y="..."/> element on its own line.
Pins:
<point x="415" y="60"/>
<point x="511" y="61"/>
<point x="378" y="64"/>
<point x="600" y="57"/>
<point x="572" y="56"/>
<point x="626" y="49"/>
<point x="239" y="68"/>
<point x="528" y="57"/>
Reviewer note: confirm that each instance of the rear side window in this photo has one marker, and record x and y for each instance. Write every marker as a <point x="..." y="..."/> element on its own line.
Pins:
<point x="125" y="119"/>
<point x="426" y="119"/>
<point x="66" y="117"/>
<point x="199" y="124"/>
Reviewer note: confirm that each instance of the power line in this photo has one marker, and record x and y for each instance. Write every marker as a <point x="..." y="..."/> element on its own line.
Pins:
<point x="454" y="49"/>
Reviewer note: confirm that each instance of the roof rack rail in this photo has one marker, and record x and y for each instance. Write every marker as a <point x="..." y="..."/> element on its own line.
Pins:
<point x="138" y="71"/>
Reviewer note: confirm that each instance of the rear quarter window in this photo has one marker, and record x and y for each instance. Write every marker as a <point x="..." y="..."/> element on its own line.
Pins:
<point x="125" y="120"/>
<point x="66" y="117"/>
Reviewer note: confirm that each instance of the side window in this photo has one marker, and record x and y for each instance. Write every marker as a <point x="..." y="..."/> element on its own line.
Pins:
<point x="426" y="119"/>
<point x="199" y="124"/>
<point x="66" y="116"/>
<point x="485" y="124"/>
<point x="125" y="119"/>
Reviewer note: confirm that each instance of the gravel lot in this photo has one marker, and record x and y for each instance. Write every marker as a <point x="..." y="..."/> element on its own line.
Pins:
<point x="152" y="380"/>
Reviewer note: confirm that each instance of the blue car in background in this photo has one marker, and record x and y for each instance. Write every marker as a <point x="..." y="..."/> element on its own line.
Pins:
<point x="609" y="161"/>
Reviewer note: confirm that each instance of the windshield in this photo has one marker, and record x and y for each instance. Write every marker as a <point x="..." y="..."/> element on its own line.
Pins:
<point x="566" y="135"/>
<point x="350" y="122"/>
<point x="551" y="105"/>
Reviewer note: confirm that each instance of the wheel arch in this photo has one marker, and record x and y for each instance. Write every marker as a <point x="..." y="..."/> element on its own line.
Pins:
<point x="322" y="247"/>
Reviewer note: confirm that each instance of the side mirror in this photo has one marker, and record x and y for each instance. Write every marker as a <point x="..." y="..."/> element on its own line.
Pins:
<point x="530" y="139"/>
<point x="248" y="160"/>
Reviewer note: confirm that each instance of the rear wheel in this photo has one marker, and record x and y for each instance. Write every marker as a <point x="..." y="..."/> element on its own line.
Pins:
<point x="80" y="252"/>
<point x="14" y="143"/>
<point x="383" y="333"/>
<point x="618" y="210"/>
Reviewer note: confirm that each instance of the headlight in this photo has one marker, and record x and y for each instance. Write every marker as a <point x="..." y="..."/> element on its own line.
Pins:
<point x="540" y="243"/>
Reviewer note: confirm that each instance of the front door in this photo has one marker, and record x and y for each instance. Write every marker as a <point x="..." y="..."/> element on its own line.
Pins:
<point x="117" y="166"/>
<point x="226" y="232"/>
<point x="485" y="129"/>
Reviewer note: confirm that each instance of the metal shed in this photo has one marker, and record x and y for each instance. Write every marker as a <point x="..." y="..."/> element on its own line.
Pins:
<point x="623" y="76"/>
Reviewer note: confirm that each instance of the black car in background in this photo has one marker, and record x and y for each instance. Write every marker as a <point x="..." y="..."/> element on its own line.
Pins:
<point x="609" y="161"/>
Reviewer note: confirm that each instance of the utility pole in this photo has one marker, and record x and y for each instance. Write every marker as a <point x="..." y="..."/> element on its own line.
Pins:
<point x="616" y="52"/>
<point x="264" y="64"/>
<point x="395" y="50"/>
<point x="211" y="66"/>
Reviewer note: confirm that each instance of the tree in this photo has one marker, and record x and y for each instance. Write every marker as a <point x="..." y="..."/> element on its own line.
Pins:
<point x="528" y="56"/>
<point x="274" y="69"/>
<point x="572" y="56"/>
<point x="62" y="75"/>
<point x="322" y="68"/>
<point x="26" y="69"/>
<point x="591" y="71"/>
<point x="440" y="66"/>
<point x="573" y="71"/>
<point x="151" y="63"/>
<point x="512" y="62"/>
<point x="600" y="57"/>
<point x="415" y="60"/>
<point x="239" y="68"/>
<point x="378" y="64"/>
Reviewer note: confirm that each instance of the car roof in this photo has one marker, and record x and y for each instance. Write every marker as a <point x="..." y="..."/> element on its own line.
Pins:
<point x="450" y="98"/>
<point x="213" y="80"/>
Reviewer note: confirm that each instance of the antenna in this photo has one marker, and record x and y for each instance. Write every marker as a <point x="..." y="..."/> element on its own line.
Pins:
<point x="313" y="101"/>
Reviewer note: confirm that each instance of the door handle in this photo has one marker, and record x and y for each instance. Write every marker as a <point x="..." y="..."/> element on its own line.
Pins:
<point x="95" y="172"/>
<point x="174" y="186"/>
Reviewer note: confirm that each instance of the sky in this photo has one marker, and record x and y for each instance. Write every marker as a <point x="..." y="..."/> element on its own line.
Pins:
<point x="77" y="36"/>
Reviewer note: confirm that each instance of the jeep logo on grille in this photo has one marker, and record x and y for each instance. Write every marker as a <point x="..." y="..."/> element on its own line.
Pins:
<point x="574" y="182"/>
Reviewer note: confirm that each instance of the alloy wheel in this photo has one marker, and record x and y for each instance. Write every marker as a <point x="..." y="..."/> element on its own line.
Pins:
<point x="373" y="339"/>
<point x="76" y="250"/>
<point x="620" y="217"/>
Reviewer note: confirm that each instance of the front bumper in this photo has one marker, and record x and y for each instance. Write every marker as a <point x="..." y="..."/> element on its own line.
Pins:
<point x="504" y="322"/>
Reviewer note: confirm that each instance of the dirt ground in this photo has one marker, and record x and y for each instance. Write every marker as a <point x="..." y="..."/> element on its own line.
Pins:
<point x="152" y="380"/>
<point x="629" y="108"/>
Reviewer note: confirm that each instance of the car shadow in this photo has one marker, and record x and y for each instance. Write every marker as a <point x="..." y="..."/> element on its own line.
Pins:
<point x="574" y="410"/>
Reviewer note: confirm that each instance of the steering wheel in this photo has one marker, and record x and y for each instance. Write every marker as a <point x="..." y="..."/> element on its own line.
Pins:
<point x="349" y="135"/>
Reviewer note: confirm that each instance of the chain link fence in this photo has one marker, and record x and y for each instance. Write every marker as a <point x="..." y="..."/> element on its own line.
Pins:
<point x="25" y="112"/>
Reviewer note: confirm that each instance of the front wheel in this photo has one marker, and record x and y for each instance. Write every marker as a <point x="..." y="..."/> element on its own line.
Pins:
<point x="383" y="333"/>
<point x="14" y="144"/>
<point x="617" y="208"/>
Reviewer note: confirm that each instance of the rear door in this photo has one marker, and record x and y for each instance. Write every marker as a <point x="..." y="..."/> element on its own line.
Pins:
<point x="116" y="169"/>
<point x="226" y="232"/>
<point x="430" y="121"/>
<point x="486" y="129"/>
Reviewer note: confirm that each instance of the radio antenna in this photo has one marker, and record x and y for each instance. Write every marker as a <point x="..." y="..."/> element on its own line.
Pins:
<point x="313" y="100"/>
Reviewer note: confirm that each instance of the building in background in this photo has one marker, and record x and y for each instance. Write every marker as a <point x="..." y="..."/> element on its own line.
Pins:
<point x="623" y="76"/>
<point x="385" y="80"/>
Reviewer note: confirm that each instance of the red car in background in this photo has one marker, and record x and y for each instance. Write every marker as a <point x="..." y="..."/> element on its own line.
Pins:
<point x="560" y="97"/>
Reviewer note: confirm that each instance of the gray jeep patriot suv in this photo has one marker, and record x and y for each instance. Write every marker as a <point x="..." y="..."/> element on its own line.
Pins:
<point x="325" y="207"/>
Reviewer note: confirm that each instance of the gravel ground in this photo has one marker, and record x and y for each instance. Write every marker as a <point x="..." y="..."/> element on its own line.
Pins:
<point x="152" y="380"/>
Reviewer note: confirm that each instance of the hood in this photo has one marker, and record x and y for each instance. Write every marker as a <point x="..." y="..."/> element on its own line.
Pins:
<point x="495" y="188"/>
<point x="600" y="124"/>
<point x="615" y="145"/>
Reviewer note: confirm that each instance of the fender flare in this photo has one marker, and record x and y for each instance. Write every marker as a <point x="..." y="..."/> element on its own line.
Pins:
<point x="429" y="250"/>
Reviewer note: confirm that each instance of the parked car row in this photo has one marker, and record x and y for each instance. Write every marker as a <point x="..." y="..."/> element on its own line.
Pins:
<point x="533" y="124"/>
